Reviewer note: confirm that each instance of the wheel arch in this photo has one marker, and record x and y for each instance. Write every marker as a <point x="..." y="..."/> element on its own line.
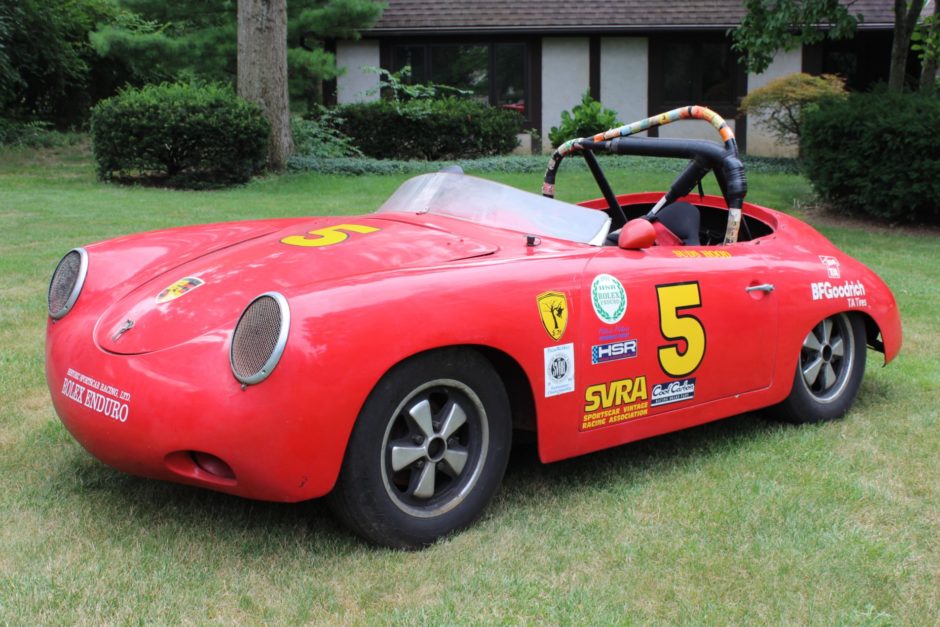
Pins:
<point x="507" y="368"/>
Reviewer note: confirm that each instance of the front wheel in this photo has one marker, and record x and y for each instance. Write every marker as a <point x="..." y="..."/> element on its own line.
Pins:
<point x="829" y="372"/>
<point x="428" y="450"/>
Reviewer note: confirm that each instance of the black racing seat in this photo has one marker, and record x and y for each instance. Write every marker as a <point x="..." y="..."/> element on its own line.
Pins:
<point x="682" y="219"/>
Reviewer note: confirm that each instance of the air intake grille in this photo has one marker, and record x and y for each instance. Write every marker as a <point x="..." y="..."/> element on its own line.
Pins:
<point x="65" y="284"/>
<point x="259" y="338"/>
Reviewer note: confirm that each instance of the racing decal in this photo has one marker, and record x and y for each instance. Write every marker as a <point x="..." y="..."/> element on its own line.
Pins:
<point x="852" y="291"/>
<point x="614" y="351"/>
<point x="832" y="266"/>
<point x="559" y="370"/>
<point x="611" y="403"/>
<point x="672" y="392"/>
<point x="328" y="235"/>
<point x="710" y="254"/>
<point x="97" y="396"/>
<point x="613" y="333"/>
<point x="681" y="357"/>
<point x="553" y="312"/>
<point x="608" y="298"/>
<point x="179" y="288"/>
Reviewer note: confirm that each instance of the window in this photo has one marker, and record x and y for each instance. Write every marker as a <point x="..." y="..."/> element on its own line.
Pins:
<point x="694" y="70"/>
<point x="495" y="73"/>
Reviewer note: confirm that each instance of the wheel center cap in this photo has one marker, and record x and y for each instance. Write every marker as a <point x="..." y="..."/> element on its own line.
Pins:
<point x="436" y="449"/>
<point x="827" y="353"/>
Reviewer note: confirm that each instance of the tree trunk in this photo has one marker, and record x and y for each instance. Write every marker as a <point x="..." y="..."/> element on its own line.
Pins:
<point x="262" y="70"/>
<point x="905" y="18"/>
<point x="928" y="73"/>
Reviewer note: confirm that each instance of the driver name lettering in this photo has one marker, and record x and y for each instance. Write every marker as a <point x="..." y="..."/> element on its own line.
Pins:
<point x="99" y="397"/>
<point x="714" y="254"/>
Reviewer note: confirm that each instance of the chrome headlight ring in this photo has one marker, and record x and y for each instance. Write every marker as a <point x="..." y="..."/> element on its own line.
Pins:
<point x="66" y="282"/>
<point x="259" y="338"/>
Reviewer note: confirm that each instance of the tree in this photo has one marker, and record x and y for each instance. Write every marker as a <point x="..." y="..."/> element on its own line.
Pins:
<point x="262" y="70"/>
<point x="906" y="14"/>
<point x="926" y="40"/>
<point x="772" y="25"/>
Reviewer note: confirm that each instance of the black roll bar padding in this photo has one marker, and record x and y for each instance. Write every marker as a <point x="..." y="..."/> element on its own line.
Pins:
<point x="723" y="161"/>
<point x="694" y="172"/>
<point x="617" y="214"/>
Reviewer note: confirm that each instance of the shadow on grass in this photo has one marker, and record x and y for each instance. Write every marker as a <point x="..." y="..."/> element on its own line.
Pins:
<point x="132" y="505"/>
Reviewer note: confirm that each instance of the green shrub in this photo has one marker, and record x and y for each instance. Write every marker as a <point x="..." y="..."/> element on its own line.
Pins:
<point x="180" y="135"/>
<point x="35" y="134"/>
<point x="779" y="105"/>
<point x="585" y="120"/>
<point x="433" y="129"/>
<point x="876" y="155"/>
<point x="318" y="134"/>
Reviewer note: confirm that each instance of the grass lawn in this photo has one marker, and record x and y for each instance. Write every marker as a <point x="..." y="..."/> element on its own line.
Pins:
<point x="740" y="521"/>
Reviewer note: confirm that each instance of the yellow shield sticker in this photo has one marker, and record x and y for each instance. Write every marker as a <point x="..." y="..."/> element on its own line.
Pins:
<point x="553" y="310"/>
<point x="178" y="289"/>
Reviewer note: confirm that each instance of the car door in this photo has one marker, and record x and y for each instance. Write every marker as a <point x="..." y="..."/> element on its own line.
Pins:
<point x="673" y="327"/>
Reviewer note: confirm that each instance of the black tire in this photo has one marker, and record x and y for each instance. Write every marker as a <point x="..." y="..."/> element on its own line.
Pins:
<point x="428" y="451"/>
<point x="829" y="371"/>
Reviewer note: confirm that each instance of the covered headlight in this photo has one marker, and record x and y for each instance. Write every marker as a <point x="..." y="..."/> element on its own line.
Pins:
<point x="260" y="337"/>
<point x="67" y="282"/>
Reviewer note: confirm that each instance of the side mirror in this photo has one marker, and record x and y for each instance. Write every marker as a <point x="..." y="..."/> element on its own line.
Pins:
<point x="636" y="234"/>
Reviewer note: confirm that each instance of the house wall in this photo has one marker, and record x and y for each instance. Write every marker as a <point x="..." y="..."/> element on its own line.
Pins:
<point x="565" y="77"/>
<point x="355" y="83"/>
<point x="625" y="76"/>
<point x="759" y="140"/>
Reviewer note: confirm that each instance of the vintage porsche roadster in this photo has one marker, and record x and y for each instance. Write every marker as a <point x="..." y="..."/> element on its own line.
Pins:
<point x="386" y="359"/>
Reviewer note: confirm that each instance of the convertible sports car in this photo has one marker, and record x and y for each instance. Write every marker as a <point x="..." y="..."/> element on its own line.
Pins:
<point x="386" y="359"/>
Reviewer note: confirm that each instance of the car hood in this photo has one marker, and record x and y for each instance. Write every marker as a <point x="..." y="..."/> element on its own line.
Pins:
<point x="210" y="292"/>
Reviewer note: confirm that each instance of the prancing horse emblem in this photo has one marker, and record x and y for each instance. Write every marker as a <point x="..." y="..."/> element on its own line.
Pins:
<point x="553" y="310"/>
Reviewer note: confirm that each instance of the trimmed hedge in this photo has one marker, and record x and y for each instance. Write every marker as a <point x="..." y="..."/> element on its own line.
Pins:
<point x="528" y="164"/>
<point x="876" y="155"/>
<point x="180" y="135"/>
<point x="445" y="128"/>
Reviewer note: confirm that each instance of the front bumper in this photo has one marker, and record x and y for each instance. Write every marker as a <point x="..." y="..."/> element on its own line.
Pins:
<point x="164" y="414"/>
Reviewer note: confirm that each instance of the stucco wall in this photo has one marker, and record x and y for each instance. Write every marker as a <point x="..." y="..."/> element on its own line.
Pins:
<point x="759" y="141"/>
<point x="565" y="77"/>
<point x="625" y="76"/>
<point x="353" y="85"/>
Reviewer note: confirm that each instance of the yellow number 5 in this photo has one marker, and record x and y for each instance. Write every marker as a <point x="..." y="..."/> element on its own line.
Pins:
<point x="327" y="236"/>
<point x="675" y="326"/>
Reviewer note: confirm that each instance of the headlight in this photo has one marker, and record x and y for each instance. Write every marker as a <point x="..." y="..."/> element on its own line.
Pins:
<point x="260" y="337"/>
<point x="67" y="282"/>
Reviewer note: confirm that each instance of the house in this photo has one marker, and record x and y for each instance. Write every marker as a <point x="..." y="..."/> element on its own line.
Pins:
<point x="638" y="58"/>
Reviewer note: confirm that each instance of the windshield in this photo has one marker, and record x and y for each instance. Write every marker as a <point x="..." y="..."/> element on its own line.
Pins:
<point x="493" y="204"/>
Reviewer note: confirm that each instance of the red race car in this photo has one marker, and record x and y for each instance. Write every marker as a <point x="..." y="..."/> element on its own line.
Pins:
<point x="386" y="359"/>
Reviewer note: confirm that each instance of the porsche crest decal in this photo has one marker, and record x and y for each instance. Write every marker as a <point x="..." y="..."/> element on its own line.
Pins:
<point x="178" y="289"/>
<point x="553" y="311"/>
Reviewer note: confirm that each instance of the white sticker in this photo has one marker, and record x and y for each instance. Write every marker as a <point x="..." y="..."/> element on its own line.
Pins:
<point x="608" y="298"/>
<point x="559" y="370"/>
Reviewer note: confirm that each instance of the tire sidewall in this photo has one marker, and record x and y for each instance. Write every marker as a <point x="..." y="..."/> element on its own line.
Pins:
<point x="369" y="508"/>
<point x="802" y="406"/>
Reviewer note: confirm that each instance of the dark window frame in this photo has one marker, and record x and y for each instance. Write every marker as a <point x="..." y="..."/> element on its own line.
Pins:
<point x="531" y="66"/>
<point x="658" y="61"/>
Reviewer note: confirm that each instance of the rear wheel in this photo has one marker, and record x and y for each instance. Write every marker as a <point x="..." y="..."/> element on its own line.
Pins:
<point x="829" y="372"/>
<point x="428" y="451"/>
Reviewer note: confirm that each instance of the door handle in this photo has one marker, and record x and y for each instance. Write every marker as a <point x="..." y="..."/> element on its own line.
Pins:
<point x="763" y="287"/>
